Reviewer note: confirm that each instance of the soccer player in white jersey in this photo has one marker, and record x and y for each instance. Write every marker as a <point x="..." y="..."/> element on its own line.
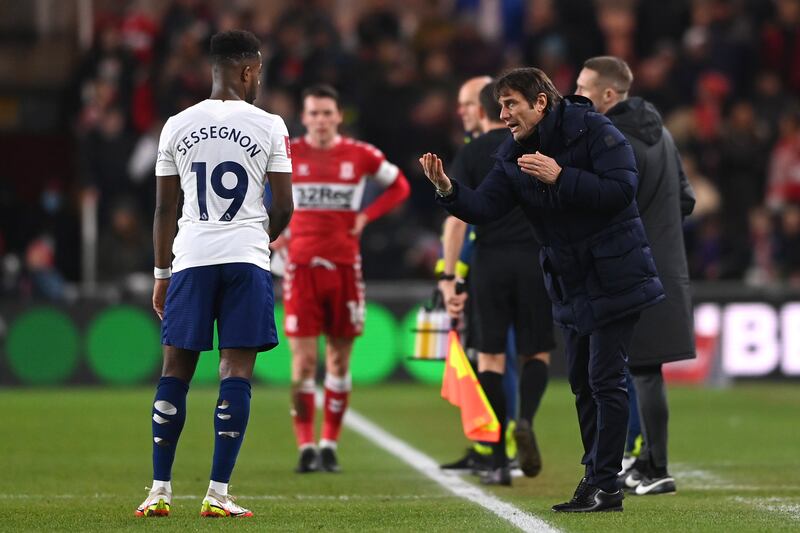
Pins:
<point x="220" y="153"/>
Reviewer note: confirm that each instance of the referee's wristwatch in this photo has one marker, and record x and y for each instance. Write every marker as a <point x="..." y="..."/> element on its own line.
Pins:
<point x="461" y="286"/>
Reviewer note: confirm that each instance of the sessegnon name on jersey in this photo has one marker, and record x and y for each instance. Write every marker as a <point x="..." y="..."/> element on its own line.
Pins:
<point x="327" y="196"/>
<point x="218" y="132"/>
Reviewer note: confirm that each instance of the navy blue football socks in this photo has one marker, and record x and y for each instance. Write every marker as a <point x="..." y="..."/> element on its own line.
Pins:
<point x="169" y="415"/>
<point x="230" y="423"/>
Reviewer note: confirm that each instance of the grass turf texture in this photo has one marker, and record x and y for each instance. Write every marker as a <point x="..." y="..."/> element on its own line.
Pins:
<point x="78" y="459"/>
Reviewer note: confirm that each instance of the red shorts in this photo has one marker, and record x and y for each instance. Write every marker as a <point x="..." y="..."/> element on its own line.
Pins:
<point x="323" y="297"/>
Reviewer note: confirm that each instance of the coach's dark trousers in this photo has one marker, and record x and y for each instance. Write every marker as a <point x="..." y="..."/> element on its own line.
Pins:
<point x="597" y="366"/>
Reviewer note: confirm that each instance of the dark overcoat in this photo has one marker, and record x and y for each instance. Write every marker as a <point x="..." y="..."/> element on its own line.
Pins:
<point x="665" y="332"/>
<point x="596" y="260"/>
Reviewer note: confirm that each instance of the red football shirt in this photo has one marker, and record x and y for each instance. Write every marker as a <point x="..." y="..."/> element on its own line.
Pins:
<point x="328" y="186"/>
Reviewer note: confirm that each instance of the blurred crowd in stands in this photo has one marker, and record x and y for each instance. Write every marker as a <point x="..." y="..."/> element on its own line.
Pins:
<point x="725" y="75"/>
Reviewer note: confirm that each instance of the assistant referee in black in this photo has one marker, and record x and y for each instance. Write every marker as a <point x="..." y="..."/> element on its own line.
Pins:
<point x="507" y="289"/>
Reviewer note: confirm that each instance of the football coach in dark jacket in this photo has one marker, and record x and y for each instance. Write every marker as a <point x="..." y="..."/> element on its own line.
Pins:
<point x="574" y="176"/>
<point x="665" y="332"/>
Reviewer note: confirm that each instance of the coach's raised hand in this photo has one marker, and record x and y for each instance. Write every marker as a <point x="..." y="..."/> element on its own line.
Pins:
<point x="434" y="171"/>
<point x="540" y="166"/>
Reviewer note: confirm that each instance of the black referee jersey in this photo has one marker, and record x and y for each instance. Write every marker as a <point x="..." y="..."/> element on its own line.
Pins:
<point x="472" y="163"/>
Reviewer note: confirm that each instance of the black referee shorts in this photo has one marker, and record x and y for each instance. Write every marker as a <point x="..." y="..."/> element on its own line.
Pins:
<point x="507" y="289"/>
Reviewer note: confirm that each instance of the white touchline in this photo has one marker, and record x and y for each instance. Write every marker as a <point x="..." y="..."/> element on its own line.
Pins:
<point x="286" y="497"/>
<point x="452" y="482"/>
<point x="773" y="505"/>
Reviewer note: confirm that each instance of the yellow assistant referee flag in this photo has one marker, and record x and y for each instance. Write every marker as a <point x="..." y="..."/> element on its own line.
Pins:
<point x="461" y="388"/>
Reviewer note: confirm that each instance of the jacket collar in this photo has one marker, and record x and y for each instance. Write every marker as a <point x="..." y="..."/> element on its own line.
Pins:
<point x="565" y="122"/>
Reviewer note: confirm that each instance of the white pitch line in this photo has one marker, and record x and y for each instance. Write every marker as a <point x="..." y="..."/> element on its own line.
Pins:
<point x="452" y="482"/>
<point x="785" y="506"/>
<point x="270" y="497"/>
<point x="328" y="497"/>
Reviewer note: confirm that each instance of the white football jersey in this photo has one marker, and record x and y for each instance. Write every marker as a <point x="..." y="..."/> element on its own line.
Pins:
<point x="222" y="151"/>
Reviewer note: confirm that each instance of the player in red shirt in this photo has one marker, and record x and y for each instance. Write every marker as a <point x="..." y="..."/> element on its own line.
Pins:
<point x="323" y="291"/>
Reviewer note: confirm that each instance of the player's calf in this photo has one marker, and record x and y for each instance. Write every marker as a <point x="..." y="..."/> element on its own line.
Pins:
<point x="337" y="395"/>
<point x="303" y="410"/>
<point x="168" y="417"/>
<point x="230" y="422"/>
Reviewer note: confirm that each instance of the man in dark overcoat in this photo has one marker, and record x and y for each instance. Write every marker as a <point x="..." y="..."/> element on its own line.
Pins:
<point x="665" y="332"/>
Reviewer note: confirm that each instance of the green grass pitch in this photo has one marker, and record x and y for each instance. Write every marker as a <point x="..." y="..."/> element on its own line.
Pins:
<point x="78" y="459"/>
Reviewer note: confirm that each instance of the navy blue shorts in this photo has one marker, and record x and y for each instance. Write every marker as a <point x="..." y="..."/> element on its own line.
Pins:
<point x="237" y="295"/>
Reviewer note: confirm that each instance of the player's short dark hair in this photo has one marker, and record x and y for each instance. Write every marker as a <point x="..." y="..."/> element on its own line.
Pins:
<point x="234" y="45"/>
<point x="489" y="103"/>
<point x="322" y="90"/>
<point x="613" y="71"/>
<point x="529" y="81"/>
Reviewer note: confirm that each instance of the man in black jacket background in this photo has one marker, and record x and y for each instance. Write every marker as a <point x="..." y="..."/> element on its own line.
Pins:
<point x="665" y="332"/>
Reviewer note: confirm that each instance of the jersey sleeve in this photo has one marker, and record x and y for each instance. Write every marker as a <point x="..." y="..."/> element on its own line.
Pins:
<point x="280" y="157"/>
<point x="378" y="168"/>
<point x="165" y="161"/>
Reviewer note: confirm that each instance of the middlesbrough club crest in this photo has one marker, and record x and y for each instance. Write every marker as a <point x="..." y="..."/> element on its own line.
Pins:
<point x="347" y="170"/>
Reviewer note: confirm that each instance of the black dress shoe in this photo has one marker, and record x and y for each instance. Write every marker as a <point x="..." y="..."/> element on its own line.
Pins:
<point x="497" y="476"/>
<point x="580" y="491"/>
<point x="591" y="499"/>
